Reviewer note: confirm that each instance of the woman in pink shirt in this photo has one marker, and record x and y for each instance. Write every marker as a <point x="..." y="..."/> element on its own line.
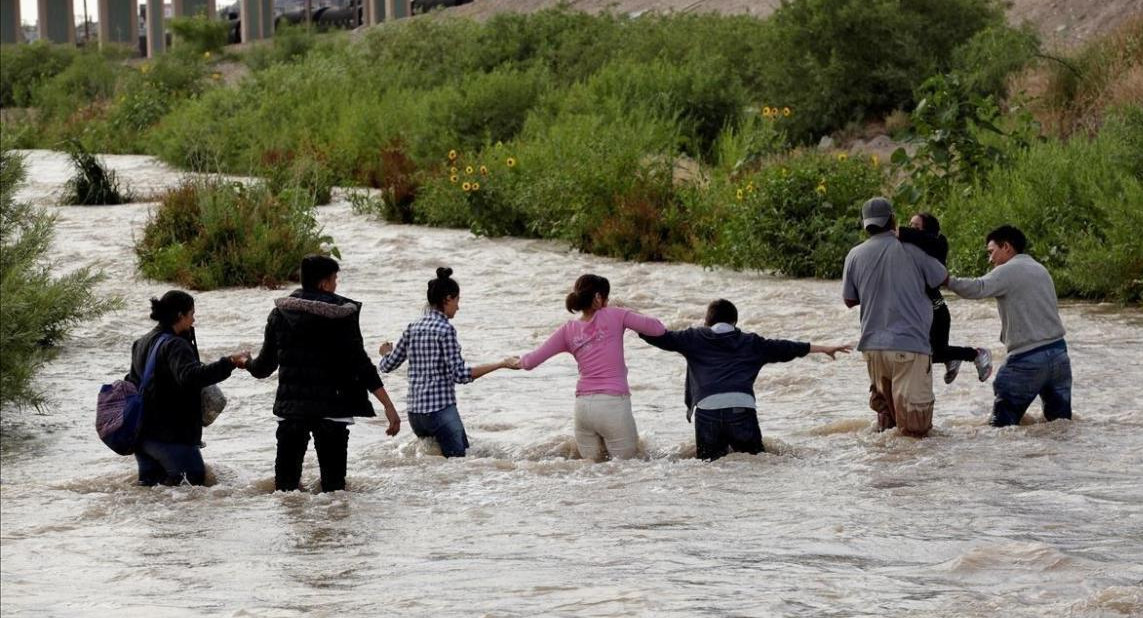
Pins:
<point x="595" y="339"/>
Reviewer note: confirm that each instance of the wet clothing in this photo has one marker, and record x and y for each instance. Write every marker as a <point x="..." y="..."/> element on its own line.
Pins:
<point x="314" y="341"/>
<point x="604" y="423"/>
<point x="168" y="463"/>
<point x="445" y="427"/>
<point x="726" y="362"/>
<point x="718" y="431"/>
<point x="901" y="390"/>
<point x="435" y="364"/>
<point x="1044" y="372"/>
<point x="936" y="246"/>
<point x="1030" y="326"/>
<point x="888" y="278"/>
<point x="597" y="345"/>
<point x="172" y="401"/>
<point x="1026" y="299"/>
<point x="331" y="441"/>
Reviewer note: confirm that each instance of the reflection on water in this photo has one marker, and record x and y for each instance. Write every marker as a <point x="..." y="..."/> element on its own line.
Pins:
<point x="1042" y="519"/>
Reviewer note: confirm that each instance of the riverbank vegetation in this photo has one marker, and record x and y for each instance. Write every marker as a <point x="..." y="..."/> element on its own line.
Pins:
<point x="37" y="307"/>
<point x="213" y="233"/>
<point x="681" y="137"/>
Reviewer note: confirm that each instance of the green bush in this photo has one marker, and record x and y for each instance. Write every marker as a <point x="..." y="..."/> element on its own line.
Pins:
<point x="1079" y="202"/>
<point x="199" y="35"/>
<point x="800" y="215"/>
<point x="211" y="233"/>
<point x="37" y="309"/>
<point x="24" y="68"/>
<point x="987" y="60"/>
<point x="92" y="183"/>
<point x="289" y="45"/>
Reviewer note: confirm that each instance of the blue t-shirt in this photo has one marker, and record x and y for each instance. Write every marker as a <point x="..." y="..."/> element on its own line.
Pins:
<point x="888" y="278"/>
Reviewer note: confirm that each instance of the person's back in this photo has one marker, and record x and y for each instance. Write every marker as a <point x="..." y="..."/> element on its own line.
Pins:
<point x="321" y="360"/>
<point x="889" y="278"/>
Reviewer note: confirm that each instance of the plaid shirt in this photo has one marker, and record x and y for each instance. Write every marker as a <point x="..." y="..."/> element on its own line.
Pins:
<point x="435" y="364"/>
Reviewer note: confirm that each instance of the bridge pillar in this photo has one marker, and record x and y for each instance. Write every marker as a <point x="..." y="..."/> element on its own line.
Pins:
<point x="190" y="8"/>
<point x="257" y="18"/>
<point x="374" y="12"/>
<point x="56" y="20"/>
<point x="396" y="9"/>
<point x="118" y="22"/>
<point x="156" y="32"/>
<point x="10" y="31"/>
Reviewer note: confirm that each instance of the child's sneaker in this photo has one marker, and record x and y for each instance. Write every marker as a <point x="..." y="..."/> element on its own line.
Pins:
<point x="952" y="369"/>
<point x="983" y="362"/>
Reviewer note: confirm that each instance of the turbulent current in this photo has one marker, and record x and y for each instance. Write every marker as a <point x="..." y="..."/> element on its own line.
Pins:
<point x="835" y="519"/>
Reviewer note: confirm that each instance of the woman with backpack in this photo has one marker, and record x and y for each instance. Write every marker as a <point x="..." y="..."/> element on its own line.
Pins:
<point x="168" y="450"/>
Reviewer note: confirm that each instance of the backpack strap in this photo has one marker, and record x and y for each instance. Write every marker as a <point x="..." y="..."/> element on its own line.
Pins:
<point x="152" y="357"/>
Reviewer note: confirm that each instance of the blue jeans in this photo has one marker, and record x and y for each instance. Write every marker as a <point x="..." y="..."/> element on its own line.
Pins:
<point x="718" y="430"/>
<point x="1045" y="373"/>
<point x="169" y="463"/>
<point x="445" y="426"/>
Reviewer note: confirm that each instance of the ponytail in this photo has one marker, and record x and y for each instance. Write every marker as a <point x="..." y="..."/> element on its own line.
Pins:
<point x="583" y="295"/>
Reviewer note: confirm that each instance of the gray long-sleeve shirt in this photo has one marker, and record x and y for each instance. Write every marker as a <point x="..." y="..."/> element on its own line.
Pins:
<point x="1026" y="298"/>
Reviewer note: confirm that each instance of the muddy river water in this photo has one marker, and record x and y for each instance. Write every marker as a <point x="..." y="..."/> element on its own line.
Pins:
<point x="835" y="520"/>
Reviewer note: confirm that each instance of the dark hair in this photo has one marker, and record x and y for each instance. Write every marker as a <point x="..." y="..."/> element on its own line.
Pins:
<point x="721" y="310"/>
<point x="929" y="222"/>
<point x="166" y="310"/>
<point x="442" y="287"/>
<point x="317" y="268"/>
<point x="874" y="230"/>
<point x="583" y="295"/>
<point x="1008" y="234"/>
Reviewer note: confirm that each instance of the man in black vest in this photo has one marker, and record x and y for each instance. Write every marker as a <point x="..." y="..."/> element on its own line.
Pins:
<point x="326" y="376"/>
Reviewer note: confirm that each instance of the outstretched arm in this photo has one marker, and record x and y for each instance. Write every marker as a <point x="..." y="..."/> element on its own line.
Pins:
<point x="391" y="357"/>
<point x="554" y="345"/>
<point x="267" y="361"/>
<point x="830" y="350"/>
<point x="643" y="324"/>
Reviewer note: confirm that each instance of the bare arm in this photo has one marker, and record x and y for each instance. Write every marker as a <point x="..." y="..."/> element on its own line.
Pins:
<point x="830" y="350"/>
<point x="390" y="411"/>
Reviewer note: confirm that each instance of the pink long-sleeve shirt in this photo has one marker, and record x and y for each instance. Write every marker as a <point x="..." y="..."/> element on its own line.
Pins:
<point x="597" y="345"/>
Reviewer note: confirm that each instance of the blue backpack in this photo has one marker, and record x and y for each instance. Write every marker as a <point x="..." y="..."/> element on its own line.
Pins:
<point x="119" y="407"/>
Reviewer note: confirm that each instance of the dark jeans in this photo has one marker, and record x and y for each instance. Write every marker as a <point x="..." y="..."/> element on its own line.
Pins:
<point x="169" y="463"/>
<point x="331" y="439"/>
<point x="445" y="426"/>
<point x="1044" y="372"/>
<point x="939" y="339"/>
<point x="718" y="430"/>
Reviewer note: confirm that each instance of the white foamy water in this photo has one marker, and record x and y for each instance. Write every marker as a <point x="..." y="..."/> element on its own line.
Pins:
<point x="1043" y="519"/>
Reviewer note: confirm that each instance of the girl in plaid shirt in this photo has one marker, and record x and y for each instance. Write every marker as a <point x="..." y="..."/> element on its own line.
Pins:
<point x="436" y="367"/>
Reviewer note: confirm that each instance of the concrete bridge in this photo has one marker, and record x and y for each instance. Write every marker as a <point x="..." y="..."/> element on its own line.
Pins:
<point x="118" y="25"/>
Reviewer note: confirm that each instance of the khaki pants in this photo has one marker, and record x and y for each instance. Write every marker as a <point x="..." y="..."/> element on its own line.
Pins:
<point x="901" y="390"/>
<point x="605" y="422"/>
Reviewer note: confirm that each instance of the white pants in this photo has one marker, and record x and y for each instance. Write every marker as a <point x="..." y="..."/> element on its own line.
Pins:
<point x="605" y="421"/>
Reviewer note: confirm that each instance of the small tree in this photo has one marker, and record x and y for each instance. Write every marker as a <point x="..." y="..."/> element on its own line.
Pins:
<point x="36" y="309"/>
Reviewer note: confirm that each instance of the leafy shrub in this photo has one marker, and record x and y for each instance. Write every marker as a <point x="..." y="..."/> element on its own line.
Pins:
<point x="289" y="45"/>
<point x="37" y="310"/>
<point x="985" y="62"/>
<point x="800" y="215"/>
<point x="212" y="233"/>
<point x="1079" y="202"/>
<point x="199" y="35"/>
<point x="24" y="68"/>
<point x="93" y="183"/>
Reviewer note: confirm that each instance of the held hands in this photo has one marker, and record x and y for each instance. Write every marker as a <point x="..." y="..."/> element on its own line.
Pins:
<point x="386" y="348"/>
<point x="512" y="362"/>
<point x="831" y="350"/>
<point x="241" y="359"/>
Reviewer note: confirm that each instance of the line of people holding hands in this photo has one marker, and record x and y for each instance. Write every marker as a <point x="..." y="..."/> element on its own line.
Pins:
<point x="325" y="376"/>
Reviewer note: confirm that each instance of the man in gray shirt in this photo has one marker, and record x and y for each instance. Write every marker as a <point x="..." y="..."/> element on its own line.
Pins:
<point x="1030" y="326"/>
<point x="887" y="279"/>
